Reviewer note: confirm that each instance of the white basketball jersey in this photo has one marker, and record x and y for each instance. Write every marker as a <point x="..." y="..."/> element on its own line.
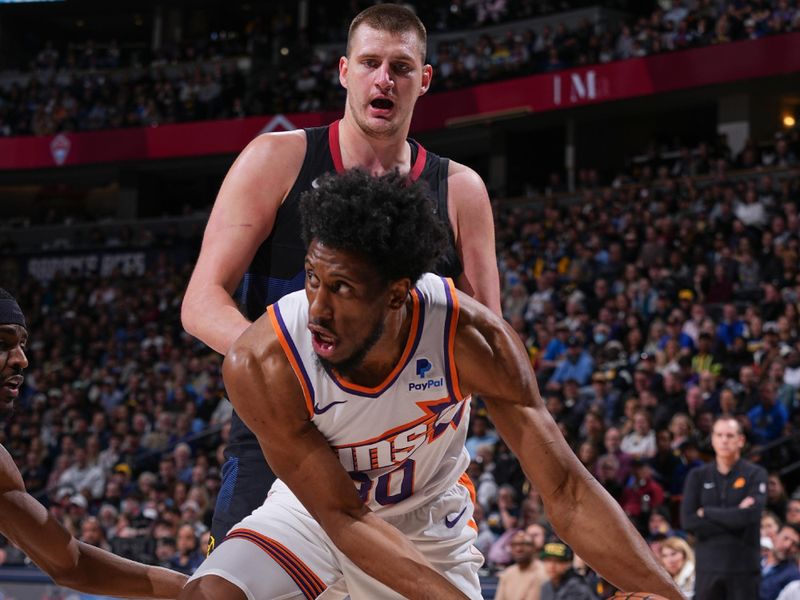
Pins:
<point x="402" y="442"/>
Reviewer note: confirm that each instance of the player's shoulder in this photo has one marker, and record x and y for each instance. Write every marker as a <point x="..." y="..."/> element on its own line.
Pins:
<point x="279" y="142"/>
<point x="479" y="330"/>
<point x="488" y="352"/>
<point x="461" y="174"/>
<point x="466" y="187"/>
<point x="268" y="165"/>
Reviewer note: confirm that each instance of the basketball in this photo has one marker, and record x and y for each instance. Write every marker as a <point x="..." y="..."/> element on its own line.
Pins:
<point x="636" y="596"/>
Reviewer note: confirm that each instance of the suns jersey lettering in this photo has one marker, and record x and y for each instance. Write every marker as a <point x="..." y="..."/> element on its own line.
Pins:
<point x="402" y="442"/>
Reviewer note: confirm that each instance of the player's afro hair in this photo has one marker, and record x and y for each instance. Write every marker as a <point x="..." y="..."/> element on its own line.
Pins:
<point x="386" y="219"/>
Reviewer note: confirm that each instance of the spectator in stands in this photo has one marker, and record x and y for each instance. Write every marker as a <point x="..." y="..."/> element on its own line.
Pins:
<point x="677" y="557"/>
<point x="563" y="583"/>
<point x="503" y="520"/>
<point x="642" y="494"/>
<point x="793" y="509"/>
<point x="731" y="326"/>
<point x="780" y="567"/>
<point x="523" y="579"/>
<point x="480" y="434"/>
<point x="768" y="418"/>
<point x="641" y="441"/>
<point x="83" y="476"/>
<point x="577" y="365"/>
<point x="777" y="498"/>
<point x="187" y="556"/>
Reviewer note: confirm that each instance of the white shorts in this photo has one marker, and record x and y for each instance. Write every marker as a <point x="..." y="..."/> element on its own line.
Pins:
<point x="281" y="532"/>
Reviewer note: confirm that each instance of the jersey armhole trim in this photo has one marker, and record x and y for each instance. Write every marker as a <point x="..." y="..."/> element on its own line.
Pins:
<point x="450" y="327"/>
<point x="293" y="356"/>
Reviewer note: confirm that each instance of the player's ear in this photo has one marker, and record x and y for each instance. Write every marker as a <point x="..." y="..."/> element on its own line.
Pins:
<point x="343" y="71"/>
<point x="427" y="74"/>
<point x="398" y="292"/>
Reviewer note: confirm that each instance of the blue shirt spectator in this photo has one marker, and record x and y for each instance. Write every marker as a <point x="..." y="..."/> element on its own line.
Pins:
<point x="578" y="364"/>
<point x="480" y="435"/>
<point x="768" y="419"/>
<point x="731" y="327"/>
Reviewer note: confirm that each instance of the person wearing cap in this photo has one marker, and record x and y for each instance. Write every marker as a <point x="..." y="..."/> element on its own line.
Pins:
<point x="578" y="365"/>
<point x="29" y="526"/>
<point x="721" y="506"/>
<point x="563" y="582"/>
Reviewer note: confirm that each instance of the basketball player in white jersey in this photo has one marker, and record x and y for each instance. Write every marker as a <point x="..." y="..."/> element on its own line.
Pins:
<point x="358" y="390"/>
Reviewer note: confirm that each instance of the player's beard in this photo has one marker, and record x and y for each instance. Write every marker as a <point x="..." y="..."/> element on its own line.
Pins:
<point x="358" y="355"/>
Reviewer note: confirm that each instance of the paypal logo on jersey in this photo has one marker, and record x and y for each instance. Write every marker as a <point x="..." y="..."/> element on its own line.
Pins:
<point x="423" y="366"/>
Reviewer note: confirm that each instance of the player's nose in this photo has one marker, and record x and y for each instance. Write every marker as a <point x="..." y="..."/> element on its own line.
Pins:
<point x="384" y="77"/>
<point x="18" y="359"/>
<point x="319" y="306"/>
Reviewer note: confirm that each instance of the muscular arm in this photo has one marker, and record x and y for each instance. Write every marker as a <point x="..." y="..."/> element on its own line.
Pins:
<point x="69" y="562"/>
<point x="242" y="218"/>
<point x="492" y="362"/>
<point x="473" y="226"/>
<point x="266" y="394"/>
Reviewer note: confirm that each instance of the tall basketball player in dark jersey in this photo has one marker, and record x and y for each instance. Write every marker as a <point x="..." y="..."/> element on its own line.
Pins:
<point x="253" y="236"/>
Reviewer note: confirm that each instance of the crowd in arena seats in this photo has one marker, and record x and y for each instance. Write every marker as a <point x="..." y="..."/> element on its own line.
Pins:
<point x="122" y="425"/>
<point x="81" y="89"/>
<point x="648" y="307"/>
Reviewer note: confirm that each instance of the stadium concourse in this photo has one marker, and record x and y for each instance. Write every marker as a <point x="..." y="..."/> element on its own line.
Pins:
<point x="651" y="298"/>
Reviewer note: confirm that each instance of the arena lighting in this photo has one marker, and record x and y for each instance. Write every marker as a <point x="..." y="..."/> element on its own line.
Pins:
<point x="788" y="121"/>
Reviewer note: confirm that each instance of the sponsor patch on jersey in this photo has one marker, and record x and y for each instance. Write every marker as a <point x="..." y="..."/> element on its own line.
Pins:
<point x="739" y="483"/>
<point x="426" y="385"/>
<point x="423" y="366"/>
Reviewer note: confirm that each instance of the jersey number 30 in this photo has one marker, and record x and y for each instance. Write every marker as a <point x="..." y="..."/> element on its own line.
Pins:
<point x="385" y="483"/>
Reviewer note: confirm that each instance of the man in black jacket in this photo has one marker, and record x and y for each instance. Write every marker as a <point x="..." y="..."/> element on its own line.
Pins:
<point x="722" y="504"/>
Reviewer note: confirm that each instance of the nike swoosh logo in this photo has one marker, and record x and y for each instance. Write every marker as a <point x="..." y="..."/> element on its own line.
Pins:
<point x="452" y="523"/>
<point x="708" y="486"/>
<point x="319" y="411"/>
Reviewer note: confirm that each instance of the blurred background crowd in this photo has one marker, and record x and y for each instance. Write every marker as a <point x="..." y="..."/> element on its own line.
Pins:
<point x="650" y="299"/>
<point x="99" y="84"/>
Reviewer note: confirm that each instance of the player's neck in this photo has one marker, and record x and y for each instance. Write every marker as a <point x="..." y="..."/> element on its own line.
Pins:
<point x="377" y="155"/>
<point x="384" y="356"/>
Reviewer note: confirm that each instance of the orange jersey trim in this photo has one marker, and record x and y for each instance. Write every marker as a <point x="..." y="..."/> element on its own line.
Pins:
<point x="287" y="350"/>
<point x="410" y="342"/>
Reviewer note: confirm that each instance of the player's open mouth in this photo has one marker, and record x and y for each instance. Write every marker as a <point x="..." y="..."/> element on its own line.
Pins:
<point x="381" y="105"/>
<point x="323" y="342"/>
<point x="12" y="385"/>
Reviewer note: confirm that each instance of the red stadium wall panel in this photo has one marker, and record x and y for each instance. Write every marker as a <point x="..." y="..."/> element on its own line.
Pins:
<point x="657" y="74"/>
